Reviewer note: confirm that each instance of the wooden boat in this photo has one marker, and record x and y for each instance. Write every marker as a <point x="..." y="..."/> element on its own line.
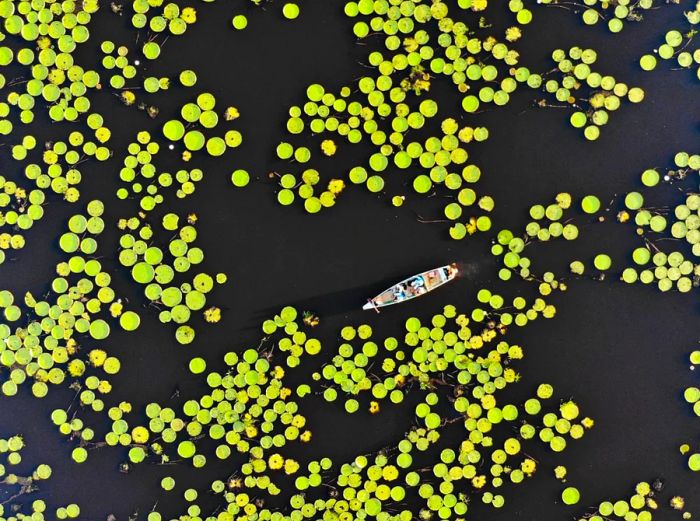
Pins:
<point x="413" y="287"/>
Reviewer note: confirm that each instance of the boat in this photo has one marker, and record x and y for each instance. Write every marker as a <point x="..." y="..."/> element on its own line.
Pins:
<point x="413" y="287"/>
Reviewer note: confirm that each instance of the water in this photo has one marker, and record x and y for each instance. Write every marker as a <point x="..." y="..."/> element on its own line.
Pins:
<point x="619" y="351"/>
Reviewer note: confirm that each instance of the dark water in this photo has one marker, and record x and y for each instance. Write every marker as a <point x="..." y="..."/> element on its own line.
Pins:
<point x="620" y="351"/>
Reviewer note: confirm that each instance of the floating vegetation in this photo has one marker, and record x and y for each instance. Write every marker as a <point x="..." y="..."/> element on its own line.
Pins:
<point x="616" y="13"/>
<point x="677" y="46"/>
<point x="250" y="410"/>
<point x="158" y="266"/>
<point x="54" y="339"/>
<point x="156" y="269"/>
<point x="692" y="396"/>
<point x="393" y="104"/>
<point x="548" y="223"/>
<point x="56" y="79"/>
<point x="161" y="17"/>
<point x="17" y="486"/>
<point x="464" y="436"/>
<point x="642" y="505"/>
<point x="602" y="96"/>
<point x="196" y="116"/>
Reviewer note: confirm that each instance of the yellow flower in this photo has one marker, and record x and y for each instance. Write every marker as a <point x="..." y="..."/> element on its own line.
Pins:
<point x="50" y="157"/>
<point x="116" y="308"/>
<point x="128" y="98"/>
<point x="305" y="436"/>
<point x="471" y="226"/>
<point x="476" y="342"/>
<point x="390" y="473"/>
<point x="515" y="352"/>
<point x="513" y="34"/>
<point x="278" y="372"/>
<point x="251" y="431"/>
<point x="410" y="44"/>
<point x="189" y="15"/>
<point x="104" y="387"/>
<point x="57" y="76"/>
<point x="275" y="461"/>
<point x="186" y="155"/>
<point x="528" y="466"/>
<point x="569" y="410"/>
<point x="677" y="502"/>
<point x="125" y="407"/>
<point x="328" y="147"/>
<point x="588" y="422"/>
<point x="643" y="488"/>
<point x="488" y="335"/>
<point x="335" y="186"/>
<point x="212" y="315"/>
<point x="97" y="357"/>
<point x="374" y="407"/>
<point x="290" y="466"/>
<point x="285" y="392"/>
<point x="488" y="401"/>
<point x="76" y="367"/>
<point x="71" y="346"/>
<point x="479" y="481"/>
<point x="231" y="114"/>
<point x="560" y="472"/>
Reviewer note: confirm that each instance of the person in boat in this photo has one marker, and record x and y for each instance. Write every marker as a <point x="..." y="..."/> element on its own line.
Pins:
<point x="400" y="292"/>
<point x="418" y="285"/>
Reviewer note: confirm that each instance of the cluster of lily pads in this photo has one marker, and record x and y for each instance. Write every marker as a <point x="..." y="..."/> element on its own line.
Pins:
<point x="51" y="31"/>
<point x="677" y="46"/>
<point x="640" y="506"/>
<point x="388" y="105"/>
<point x="652" y="263"/>
<point x="57" y="171"/>
<point x="674" y="269"/>
<point x="617" y="13"/>
<point x="458" y="363"/>
<point x="52" y="339"/>
<point x="153" y="264"/>
<point x="157" y="269"/>
<point x="602" y="94"/>
<point x="159" y="16"/>
<point x="392" y="104"/>
<point x="17" y="486"/>
<point x="549" y="222"/>
<point x="19" y="211"/>
<point x="200" y="115"/>
<point x="692" y="396"/>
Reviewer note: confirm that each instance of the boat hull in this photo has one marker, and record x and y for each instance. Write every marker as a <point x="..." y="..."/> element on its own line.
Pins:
<point x="413" y="287"/>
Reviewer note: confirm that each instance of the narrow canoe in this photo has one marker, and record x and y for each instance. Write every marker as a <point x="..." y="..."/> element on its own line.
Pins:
<point x="413" y="287"/>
